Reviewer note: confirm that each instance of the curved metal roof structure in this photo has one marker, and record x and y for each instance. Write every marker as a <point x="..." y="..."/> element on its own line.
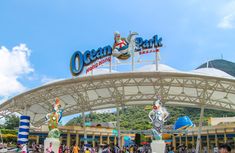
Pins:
<point x="212" y="72"/>
<point x="111" y="90"/>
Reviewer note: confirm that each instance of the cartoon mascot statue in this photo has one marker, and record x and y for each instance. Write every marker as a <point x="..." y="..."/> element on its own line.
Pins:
<point x="53" y="119"/>
<point x="123" y="47"/>
<point x="158" y="116"/>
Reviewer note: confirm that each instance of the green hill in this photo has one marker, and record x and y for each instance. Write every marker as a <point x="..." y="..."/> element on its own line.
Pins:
<point x="136" y="118"/>
<point x="223" y="65"/>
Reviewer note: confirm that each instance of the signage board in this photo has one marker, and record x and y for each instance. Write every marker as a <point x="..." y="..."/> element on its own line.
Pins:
<point x="123" y="49"/>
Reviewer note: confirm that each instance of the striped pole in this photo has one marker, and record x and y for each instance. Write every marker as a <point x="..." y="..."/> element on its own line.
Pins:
<point x="23" y="133"/>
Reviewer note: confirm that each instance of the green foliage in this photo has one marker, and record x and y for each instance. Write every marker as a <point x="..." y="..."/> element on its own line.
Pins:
<point x="9" y="135"/>
<point x="12" y="122"/>
<point x="8" y="131"/>
<point x="136" y="118"/>
<point x="10" y="138"/>
<point x="75" y="121"/>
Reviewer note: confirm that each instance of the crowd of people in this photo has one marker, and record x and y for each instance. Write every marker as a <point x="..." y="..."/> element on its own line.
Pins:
<point x="224" y="148"/>
<point x="111" y="148"/>
<point x="105" y="148"/>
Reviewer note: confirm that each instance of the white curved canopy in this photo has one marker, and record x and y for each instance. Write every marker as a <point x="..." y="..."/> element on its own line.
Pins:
<point x="212" y="72"/>
<point x="152" y="67"/>
<point x="122" y="89"/>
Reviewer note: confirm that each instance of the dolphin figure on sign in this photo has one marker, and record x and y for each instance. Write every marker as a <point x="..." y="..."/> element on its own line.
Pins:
<point x="122" y="47"/>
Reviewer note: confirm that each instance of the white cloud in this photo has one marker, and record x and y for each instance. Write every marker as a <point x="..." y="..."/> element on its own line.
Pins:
<point x="227" y="16"/>
<point x="227" y="22"/>
<point x="13" y="64"/>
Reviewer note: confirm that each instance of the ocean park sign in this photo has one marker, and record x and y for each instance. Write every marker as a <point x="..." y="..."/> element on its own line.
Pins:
<point x="122" y="49"/>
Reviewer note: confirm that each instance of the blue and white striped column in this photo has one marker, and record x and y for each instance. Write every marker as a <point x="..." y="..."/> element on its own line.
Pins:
<point x="23" y="132"/>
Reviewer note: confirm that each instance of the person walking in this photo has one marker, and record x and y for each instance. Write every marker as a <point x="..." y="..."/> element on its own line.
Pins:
<point x="67" y="149"/>
<point x="61" y="148"/>
<point x="76" y="149"/>
<point x="87" y="150"/>
<point x="131" y="149"/>
<point x="224" y="148"/>
<point x="171" y="150"/>
<point x="116" y="149"/>
<point x="92" y="150"/>
<point x="49" y="149"/>
<point x="24" y="148"/>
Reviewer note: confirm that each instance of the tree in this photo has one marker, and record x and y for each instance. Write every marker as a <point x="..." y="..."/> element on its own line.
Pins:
<point x="136" y="117"/>
<point x="12" y="122"/>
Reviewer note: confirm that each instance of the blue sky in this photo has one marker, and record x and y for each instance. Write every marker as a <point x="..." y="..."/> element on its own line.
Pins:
<point x="192" y="31"/>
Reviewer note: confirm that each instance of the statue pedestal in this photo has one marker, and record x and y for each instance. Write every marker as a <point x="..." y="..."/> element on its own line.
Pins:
<point x="158" y="146"/>
<point x="55" y="144"/>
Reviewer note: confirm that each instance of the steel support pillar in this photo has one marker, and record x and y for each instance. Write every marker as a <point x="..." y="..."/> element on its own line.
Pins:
<point x="225" y="136"/>
<point x="68" y="138"/>
<point x="118" y="127"/>
<point x="93" y="140"/>
<point x="77" y="138"/>
<point x="101" y="138"/>
<point x="84" y="127"/>
<point x="200" y="129"/>
<point x="208" y="141"/>
<point x="157" y="60"/>
<point x="110" y="65"/>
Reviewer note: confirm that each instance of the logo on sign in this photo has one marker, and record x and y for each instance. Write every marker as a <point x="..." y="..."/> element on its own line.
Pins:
<point x="122" y="49"/>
